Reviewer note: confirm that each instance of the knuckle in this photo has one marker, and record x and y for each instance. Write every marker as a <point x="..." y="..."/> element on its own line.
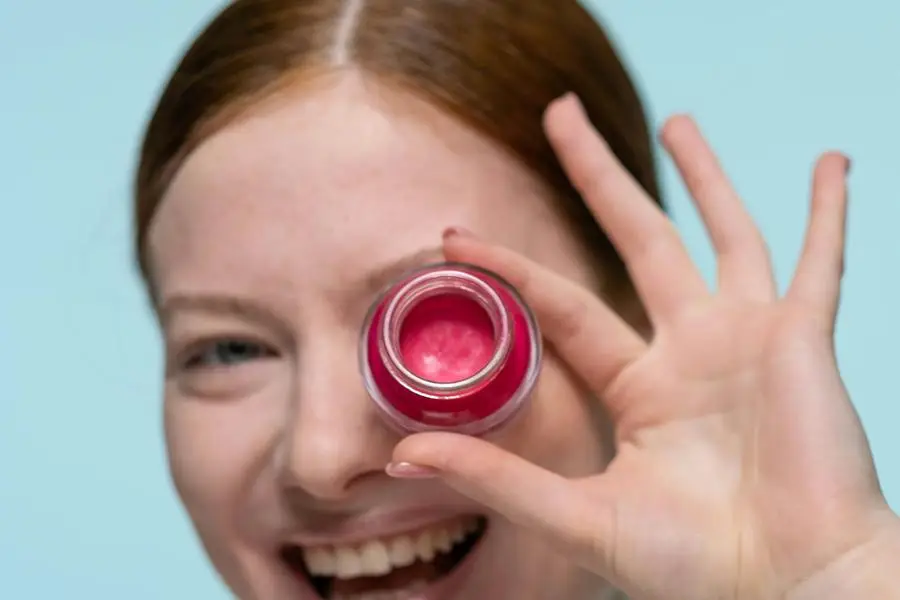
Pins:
<point x="521" y="277"/>
<point x="593" y="179"/>
<point x="656" y="248"/>
<point x="569" y="319"/>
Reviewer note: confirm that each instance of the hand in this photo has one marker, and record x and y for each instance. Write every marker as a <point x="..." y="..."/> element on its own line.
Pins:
<point x="741" y="468"/>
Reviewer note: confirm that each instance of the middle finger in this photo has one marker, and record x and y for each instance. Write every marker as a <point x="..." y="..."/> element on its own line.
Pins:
<point x="744" y="265"/>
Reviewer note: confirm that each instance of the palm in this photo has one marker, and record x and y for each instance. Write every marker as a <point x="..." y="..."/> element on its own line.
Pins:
<point x="706" y="416"/>
<point x="735" y="436"/>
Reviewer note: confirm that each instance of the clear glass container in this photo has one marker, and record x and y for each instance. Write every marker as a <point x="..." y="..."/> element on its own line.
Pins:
<point x="450" y="347"/>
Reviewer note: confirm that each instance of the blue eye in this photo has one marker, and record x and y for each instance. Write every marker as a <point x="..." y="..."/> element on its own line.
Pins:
<point x="227" y="353"/>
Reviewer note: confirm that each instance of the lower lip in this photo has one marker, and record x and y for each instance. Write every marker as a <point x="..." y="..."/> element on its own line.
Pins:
<point x="450" y="347"/>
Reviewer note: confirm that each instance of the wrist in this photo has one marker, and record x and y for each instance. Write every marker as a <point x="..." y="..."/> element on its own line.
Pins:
<point x="868" y="571"/>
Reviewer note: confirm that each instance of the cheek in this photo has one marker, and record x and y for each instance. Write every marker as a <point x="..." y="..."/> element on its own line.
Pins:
<point x="562" y="430"/>
<point x="216" y="449"/>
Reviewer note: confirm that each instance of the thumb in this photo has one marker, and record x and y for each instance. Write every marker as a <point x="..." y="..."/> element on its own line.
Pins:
<point x="555" y="507"/>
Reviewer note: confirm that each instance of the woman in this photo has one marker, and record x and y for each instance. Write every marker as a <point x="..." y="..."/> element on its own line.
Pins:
<point x="681" y="444"/>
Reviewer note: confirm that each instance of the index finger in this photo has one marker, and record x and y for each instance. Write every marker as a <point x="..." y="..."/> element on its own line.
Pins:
<point x="589" y="336"/>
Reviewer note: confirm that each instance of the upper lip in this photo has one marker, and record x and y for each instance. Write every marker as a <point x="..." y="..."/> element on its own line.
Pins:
<point x="365" y="528"/>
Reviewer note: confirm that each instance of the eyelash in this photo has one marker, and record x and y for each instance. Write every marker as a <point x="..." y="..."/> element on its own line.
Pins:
<point x="215" y="354"/>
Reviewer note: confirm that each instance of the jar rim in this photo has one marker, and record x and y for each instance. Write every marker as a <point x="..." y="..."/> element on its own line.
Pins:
<point x="446" y="280"/>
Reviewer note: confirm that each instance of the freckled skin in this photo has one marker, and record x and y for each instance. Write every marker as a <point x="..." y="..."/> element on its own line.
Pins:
<point x="285" y="207"/>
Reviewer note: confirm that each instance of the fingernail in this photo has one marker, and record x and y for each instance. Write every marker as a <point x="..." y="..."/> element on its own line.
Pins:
<point x="407" y="470"/>
<point x="575" y="99"/>
<point x="456" y="231"/>
<point x="848" y="163"/>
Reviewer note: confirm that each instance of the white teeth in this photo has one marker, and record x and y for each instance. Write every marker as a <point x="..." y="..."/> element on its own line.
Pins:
<point x="375" y="558"/>
<point x="457" y="535"/>
<point x="403" y="553"/>
<point x="320" y="560"/>
<point x="349" y="563"/>
<point x="425" y="547"/>
<point x="442" y="541"/>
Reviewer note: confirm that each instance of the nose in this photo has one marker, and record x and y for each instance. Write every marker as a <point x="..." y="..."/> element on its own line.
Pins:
<point x="333" y="437"/>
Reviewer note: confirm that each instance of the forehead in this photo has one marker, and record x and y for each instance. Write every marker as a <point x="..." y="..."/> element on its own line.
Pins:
<point x="324" y="184"/>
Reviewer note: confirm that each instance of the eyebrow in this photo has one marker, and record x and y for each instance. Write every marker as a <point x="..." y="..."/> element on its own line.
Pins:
<point x="380" y="277"/>
<point x="246" y="308"/>
<point x="221" y="304"/>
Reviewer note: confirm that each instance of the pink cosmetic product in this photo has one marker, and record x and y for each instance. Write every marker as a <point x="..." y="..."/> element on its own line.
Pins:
<point x="450" y="347"/>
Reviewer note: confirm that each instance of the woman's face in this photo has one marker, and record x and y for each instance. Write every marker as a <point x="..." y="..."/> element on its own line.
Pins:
<point x="267" y="251"/>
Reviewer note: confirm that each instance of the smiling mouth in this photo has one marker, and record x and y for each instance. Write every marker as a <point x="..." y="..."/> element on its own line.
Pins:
<point x="397" y="564"/>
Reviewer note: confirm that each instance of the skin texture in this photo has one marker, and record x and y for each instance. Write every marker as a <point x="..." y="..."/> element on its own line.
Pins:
<point x="278" y="231"/>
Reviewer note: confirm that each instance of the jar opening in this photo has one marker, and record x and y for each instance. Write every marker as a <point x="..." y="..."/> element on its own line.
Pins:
<point x="446" y="338"/>
<point x="445" y="332"/>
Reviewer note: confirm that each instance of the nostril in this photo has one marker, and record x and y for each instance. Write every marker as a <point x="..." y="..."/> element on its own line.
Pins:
<point x="328" y="488"/>
<point x="331" y="452"/>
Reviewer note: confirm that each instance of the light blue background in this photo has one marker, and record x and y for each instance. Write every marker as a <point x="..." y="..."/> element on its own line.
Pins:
<point x="86" y="509"/>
